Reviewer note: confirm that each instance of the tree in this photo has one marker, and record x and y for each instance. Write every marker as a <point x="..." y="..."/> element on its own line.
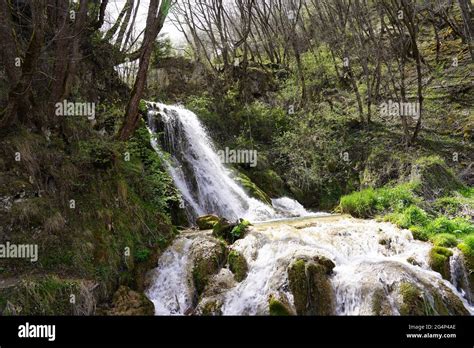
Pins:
<point x="157" y="13"/>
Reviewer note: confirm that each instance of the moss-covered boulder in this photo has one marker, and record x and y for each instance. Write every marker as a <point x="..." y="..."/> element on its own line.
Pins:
<point x="468" y="256"/>
<point x="413" y="302"/>
<point x="433" y="177"/>
<point x="310" y="285"/>
<point x="207" y="222"/>
<point x="439" y="261"/>
<point x="208" y="255"/>
<point x="230" y="231"/>
<point x="278" y="306"/>
<point x="252" y="189"/>
<point x="238" y="265"/>
<point x="129" y="302"/>
<point x="429" y="299"/>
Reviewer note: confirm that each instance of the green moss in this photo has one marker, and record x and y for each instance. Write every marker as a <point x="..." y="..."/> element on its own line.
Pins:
<point x="419" y="233"/>
<point x="413" y="301"/>
<point x="252" y="189"/>
<point x="310" y="286"/>
<point x="229" y="231"/>
<point x="277" y="308"/>
<point x="439" y="260"/>
<point x="238" y="265"/>
<point x="298" y="285"/>
<point x="207" y="222"/>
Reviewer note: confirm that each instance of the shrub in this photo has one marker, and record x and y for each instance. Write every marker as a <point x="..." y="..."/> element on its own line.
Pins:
<point x="411" y="216"/>
<point x="444" y="240"/>
<point x="442" y="224"/>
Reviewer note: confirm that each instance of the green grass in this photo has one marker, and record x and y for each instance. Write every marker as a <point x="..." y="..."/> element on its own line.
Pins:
<point x="370" y="202"/>
<point x="445" y="221"/>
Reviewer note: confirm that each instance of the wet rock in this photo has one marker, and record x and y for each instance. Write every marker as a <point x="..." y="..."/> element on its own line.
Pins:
<point x="230" y="231"/>
<point x="210" y="307"/>
<point x="381" y="303"/>
<point x="279" y="306"/>
<point x="207" y="222"/>
<point x="129" y="302"/>
<point x="439" y="261"/>
<point x="238" y="265"/>
<point x="311" y="287"/>
<point x="413" y="302"/>
<point x="213" y="298"/>
<point x="429" y="299"/>
<point x="208" y="255"/>
<point x="412" y="260"/>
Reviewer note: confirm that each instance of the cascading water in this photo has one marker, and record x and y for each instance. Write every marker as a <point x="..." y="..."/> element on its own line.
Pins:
<point x="370" y="258"/>
<point x="373" y="261"/>
<point x="205" y="183"/>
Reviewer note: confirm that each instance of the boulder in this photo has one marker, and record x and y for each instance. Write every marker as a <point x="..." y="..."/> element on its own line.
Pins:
<point x="434" y="178"/>
<point x="309" y="282"/>
<point x="230" y="231"/>
<point x="439" y="261"/>
<point x="208" y="255"/>
<point x="426" y="299"/>
<point x="238" y="265"/>
<point x="278" y="306"/>
<point x="207" y="222"/>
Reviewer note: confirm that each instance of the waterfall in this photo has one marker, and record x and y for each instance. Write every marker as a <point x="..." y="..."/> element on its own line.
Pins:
<point x="206" y="185"/>
<point x="374" y="261"/>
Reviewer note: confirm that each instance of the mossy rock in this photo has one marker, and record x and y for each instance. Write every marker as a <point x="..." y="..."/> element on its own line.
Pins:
<point x="439" y="261"/>
<point x="211" y="307"/>
<point x="129" y="302"/>
<point x="223" y="228"/>
<point x="207" y="222"/>
<point x="230" y="231"/>
<point x="270" y="182"/>
<point x="277" y="307"/>
<point x="434" y="179"/>
<point x="413" y="302"/>
<point x="238" y="265"/>
<point x="208" y="256"/>
<point x="311" y="287"/>
<point x="380" y="303"/>
<point x="252" y="189"/>
<point x="439" y="300"/>
<point x="468" y="255"/>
